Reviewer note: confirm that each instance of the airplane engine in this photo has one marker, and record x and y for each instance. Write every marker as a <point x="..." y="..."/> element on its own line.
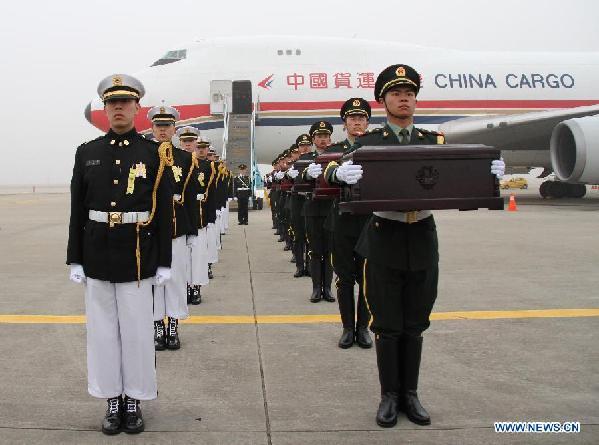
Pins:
<point x="574" y="150"/>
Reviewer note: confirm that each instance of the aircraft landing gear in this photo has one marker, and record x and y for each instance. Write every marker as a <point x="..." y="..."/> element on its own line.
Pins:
<point x="556" y="189"/>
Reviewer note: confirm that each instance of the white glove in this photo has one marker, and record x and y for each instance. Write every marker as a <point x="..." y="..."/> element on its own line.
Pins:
<point x="498" y="168"/>
<point x="163" y="274"/>
<point x="235" y="199"/>
<point x="218" y="213"/>
<point x="314" y="170"/>
<point x="292" y="173"/>
<point x="348" y="172"/>
<point x="229" y="199"/>
<point x="200" y="197"/>
<point x="192" y="240"/>
<point x="279" y="175"/>
<point x="77" y="274"/>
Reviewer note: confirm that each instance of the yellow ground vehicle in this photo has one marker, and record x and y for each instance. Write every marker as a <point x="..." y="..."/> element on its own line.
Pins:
<point x="514" y="183"/>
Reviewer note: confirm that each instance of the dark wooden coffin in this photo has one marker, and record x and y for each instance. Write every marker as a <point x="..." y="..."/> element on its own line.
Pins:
<point x="300" y="185"/>
<point x="423" y="177"/>
<point x="286" y="184"/>
<point x="323" y="190"/>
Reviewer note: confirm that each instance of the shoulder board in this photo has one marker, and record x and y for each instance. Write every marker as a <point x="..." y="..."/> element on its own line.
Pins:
<point x="431" y="132"/>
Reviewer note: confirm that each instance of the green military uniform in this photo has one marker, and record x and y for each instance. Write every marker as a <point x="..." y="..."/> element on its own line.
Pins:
<point x="346" y="229"/>
<point x="298" y="220"/>
<point x="401" y="270"/>
<point x="316" y="212"/>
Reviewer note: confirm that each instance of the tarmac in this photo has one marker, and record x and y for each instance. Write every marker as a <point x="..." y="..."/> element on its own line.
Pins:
<point x="514" y="338"/>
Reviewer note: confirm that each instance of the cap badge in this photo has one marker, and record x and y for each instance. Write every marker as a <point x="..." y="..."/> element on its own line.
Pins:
<point x="400" y="71"/>
<point x="322" y="125"/>
<point x="356" y="103"/>
<point x="117" y="81"/>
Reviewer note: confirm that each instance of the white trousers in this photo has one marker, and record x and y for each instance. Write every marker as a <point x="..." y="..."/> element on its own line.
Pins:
<point x="219" y="223"/>
<point x="212" y="246"/>
<point x="226" y="213"/>
<point x="223" y="217"/>
<point x="170" y="299"/>
<point x="198" y="260"/>
<point x="120" y="339"/>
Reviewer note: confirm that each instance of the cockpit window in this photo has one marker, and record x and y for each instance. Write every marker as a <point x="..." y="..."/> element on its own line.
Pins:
<point x="171" y="56"/>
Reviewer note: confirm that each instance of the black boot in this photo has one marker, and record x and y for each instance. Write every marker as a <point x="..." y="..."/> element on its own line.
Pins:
<point x="196" y="296"/>
<point x="327" y="279"/>
<point x="288" y="243"/>
<point x="306" y="261"/>
<point x="133" y="421"/>
<point x="159" y="336"/>
<point x="315" y="273"/>
<point x="299" y="260"/>
<point x="387" y="357"/>
<point x="410" y="355"/>
<point x="172" y="334"/>
<point x="188" y="293"/>
<point x="281" y="233"/>
<point x="210" y="275"/>
<point x="293" y="249"/>
<point x="347" y="338"/>
<point x="113" y="419"/>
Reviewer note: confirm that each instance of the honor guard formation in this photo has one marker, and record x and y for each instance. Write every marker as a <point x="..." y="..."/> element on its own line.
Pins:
<point x="146" y="226"/>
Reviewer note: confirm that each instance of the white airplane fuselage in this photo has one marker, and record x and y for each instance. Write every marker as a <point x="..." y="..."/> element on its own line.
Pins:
<point x="313" y="77"/>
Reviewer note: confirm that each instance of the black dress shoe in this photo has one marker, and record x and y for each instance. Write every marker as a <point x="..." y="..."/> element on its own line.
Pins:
<point x="112" y="421"/>
<point x="327" y="295"/>
<point x="159" y="336"/>
<point x="298" y="273"/>
<point x="347" y="338"/>
<point x="188" y="293"/>
<point x="133" y="421"/>
<point x="315" y="297"/>
<point x="363" y="338"/>
<point x="196" y="296"/>
<point x="386" y="416"/>
<point x="210" y="275"/>
<point x="413" y="409"/>
<point x="172" y="334"/>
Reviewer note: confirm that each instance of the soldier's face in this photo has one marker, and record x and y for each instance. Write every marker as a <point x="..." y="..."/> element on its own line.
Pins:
<point x="321" y="140"/>
<point x="121" y="113"/>
<point x="400" y="102"/>
<point x="163" y="133"/>
<point x="295" y="155"/>
<point x="202" y="152"/>
<point x="356" y="124"/>
<point x="304" y="148"/>
<point x="188" y="144"/>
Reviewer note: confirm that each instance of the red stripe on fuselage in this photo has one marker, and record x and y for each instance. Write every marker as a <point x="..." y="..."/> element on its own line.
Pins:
<point x="100" y="120"/>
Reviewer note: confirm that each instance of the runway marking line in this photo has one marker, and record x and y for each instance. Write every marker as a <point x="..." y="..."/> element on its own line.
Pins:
<point x="325" y="318"/>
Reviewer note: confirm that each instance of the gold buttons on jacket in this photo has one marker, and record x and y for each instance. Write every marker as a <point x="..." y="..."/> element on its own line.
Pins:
<point x="113" y="204"/>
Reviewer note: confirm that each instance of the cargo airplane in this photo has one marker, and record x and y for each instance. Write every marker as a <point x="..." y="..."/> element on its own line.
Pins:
<point x="541" y="109"/>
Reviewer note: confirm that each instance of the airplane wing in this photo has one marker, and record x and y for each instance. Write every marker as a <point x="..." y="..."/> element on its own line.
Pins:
<point x="526" y="131"/>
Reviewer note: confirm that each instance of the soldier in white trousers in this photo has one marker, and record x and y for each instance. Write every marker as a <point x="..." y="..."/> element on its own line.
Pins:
<point x="119" y="245"/>
<point x="198" y="252"/>
<point x="170" y="300"/>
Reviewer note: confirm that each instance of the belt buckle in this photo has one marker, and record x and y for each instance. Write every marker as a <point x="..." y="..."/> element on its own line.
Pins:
<point x="115" y="218"/>
<point x="411" y="217"/>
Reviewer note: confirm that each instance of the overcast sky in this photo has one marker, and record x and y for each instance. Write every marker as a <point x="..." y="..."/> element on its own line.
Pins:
<point x="55" y="52"/>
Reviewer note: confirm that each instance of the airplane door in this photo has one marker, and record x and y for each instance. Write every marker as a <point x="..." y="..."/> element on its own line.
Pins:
<point x="221" y="92"/>
<point x="242" y="97"/>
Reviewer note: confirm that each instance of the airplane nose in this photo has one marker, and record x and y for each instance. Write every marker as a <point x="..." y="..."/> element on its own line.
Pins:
<point x="88" y="112"/>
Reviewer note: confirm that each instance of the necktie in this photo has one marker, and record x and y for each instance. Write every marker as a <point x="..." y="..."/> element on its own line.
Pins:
<point x="405" y="136"/>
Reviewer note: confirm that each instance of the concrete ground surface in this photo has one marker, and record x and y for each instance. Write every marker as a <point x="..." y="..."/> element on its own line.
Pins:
<point x="236" y="381"/>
